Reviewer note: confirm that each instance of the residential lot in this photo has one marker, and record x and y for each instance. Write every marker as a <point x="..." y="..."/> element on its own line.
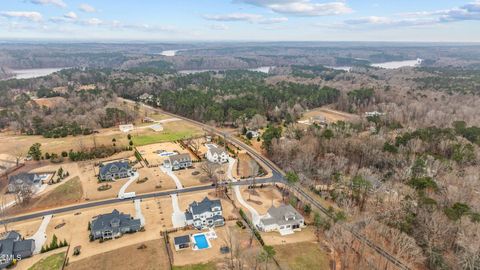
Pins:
<point x="262" y="198"/>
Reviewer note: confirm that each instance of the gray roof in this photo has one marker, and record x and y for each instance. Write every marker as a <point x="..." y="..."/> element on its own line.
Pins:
<point x="184" y="239"/>
<point x="277" y="215"/>
<point x="24" y="178"/>
<point x="185" y="157"/>
<point x="205" y="205"/>
<point x="104" y="222"/>
<point x="217" y="150"/>
<point x="12" y="244"/>
<point x="114" y="167"/>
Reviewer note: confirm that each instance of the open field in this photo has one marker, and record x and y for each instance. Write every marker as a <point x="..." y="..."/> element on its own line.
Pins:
<point x="64" y="193"/>
<point x="172" y="131"/>
<point x="152" y="256"/>
<point x="330" y="115"/>
<point x="306" y="255"/>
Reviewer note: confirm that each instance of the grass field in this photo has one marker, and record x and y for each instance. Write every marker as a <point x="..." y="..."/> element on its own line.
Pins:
<point x="307" y="255"/>
<point x="172" y="131"/>
<point x="53" y="262"/>
<point x="200" y="266"/>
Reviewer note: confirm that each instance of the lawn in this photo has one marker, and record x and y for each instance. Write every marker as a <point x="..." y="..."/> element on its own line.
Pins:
<point x="306" y="256"/>
<point x="172" y="131"/>
<point x="200" y="266"/>
<point x="66" y="193"/>
<point x="52" y="262"/>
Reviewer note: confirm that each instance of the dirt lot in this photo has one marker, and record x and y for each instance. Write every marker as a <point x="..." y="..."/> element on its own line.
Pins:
<point x="149" y="152"/>
<point x="261" y="198"/>
<point x="331" y="116"/>
<point x="307" y="255"/>
<point x="152" y="257"/>
<point x="243" y="165"/>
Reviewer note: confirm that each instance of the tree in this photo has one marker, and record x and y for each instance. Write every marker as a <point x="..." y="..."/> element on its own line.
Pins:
<point x="194" y="144"/>
<point x="35" y="151"/>
<point x="292" y="179"/>
<point x="60" y="173"/>
<point x="253" y="166"/>
<point x="269" y="252"/>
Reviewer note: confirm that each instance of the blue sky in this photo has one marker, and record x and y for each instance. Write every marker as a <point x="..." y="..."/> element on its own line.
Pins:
<point x="249" y="20"/>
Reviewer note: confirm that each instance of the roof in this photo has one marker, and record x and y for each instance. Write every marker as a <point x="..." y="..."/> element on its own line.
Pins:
<point x="217" y="150"/>
<point x="184" y="239"/>
<point x="205" y="205"/>
<point x="23" y="245"/>
<point x="180" y="158"/>
<point x="114" y="167"/>
<point x="104" y="222"/>
<point x="12" y="243"/>
<point x="12" y="235"/>
<point x="276" y="215"/>
<point x="24" y="178"/>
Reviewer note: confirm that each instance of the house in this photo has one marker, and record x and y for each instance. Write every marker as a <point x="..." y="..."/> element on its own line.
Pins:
<point x="284" y="219"/>
<point x="18" y="181"/>
<point x="253" y="133"/>
<point x="177" y="162"/>
<point x="374" y="114"/>
<point x="181" y="242"/>
<point x="205" y="214"/>
<point x="216" y="154"/>
<point x="13" y="247"/>
<point x="114" y="170"/>
<point x="113" y="225"/>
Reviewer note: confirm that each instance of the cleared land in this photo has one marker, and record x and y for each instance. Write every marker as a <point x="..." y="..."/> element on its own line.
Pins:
<point x="172" y="131"/>
<point x="144" y="255"/>
<point x="306" y="255"/>
<point x="331" y="116"/>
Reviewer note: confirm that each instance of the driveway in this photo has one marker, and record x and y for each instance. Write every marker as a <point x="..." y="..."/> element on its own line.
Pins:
<point x="41" y="236"/>
<point x="132" y="179"/>
<point x="172" y="175"/>
<point x="178" y="216"/>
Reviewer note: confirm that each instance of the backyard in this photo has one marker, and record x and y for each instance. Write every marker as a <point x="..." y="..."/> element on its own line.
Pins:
<point x="52" y="262"/>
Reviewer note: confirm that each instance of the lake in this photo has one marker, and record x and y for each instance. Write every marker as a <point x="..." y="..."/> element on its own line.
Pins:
<point x="33" y="72"/>
<point x="265" y="69"/>
<point x="169" y="52"/>
<point x="398" y="64"/>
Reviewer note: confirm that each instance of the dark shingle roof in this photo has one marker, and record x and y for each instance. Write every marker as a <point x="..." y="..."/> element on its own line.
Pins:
<point x="205" y="205"/>
<point x="114" y="167"/>
<point x="104" y="222"/>
<point x="25" y="178"/>
<point x="185" y="239"/>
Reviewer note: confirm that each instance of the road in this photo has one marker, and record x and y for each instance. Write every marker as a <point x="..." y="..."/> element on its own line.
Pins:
<point x="277" y="176"/>
<point x="116" y="200"/>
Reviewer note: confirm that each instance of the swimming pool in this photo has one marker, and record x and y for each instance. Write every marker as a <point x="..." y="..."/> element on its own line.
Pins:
<point x="201" y="241"/>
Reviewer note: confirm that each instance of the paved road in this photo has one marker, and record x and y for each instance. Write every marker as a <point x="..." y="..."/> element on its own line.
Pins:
<point x="116" y="200"/>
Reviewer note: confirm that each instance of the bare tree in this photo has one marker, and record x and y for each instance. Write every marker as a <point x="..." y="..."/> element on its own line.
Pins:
<point x="209" y="169"/>
<point x="253" y="166"/>
<point x="194" y="144"/>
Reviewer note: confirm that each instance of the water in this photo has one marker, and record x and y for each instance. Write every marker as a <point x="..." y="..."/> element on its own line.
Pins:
<point x="34" y="72"/>
<point x="169" y="52"/>
<point x="398" y="64"/>
<point x="201" y="241"/>
<point x="265" y="69"/>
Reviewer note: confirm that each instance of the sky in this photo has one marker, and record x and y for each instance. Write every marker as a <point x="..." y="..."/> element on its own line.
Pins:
<point x="241" y="20"/>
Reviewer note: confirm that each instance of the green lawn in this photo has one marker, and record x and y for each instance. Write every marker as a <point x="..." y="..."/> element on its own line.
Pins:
<point x="306" y="256"/>
<point x="161" y="137"/>
<point x="200" y="266"/>
<point x="52" y="262"/>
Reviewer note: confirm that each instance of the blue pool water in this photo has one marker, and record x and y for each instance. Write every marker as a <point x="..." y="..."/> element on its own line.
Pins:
<point x="201" y="241"/>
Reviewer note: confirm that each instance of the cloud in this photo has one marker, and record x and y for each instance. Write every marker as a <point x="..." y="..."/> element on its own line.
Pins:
<point x="245" y="17"/>
<point x="468" y="12"/>
<point x="222" y="27"/>
<point x="87" y="8"/>
<point x="58" y="3"/>
<point x="27" y="15"/>
<point x="301" y="7"/>
<point x="71" y="15"/>
<point x="93" y="22"/>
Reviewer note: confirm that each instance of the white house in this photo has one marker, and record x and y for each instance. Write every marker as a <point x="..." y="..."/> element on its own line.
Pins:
<point x="205" y="214"/>
<point x="284" y="219"/>
<point x="216" y="154"/>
